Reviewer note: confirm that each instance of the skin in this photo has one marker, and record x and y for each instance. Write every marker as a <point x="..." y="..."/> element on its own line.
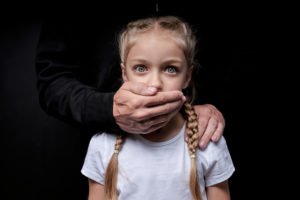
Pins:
<point x="96" y="191"/>
<point x="138" y="111"/>
<point x="157" y="61"/>
<point x="218" y="191"/>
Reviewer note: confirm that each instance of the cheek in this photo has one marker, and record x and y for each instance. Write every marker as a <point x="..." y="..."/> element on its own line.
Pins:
<point x="132" y="77"/>
<point x="174" y="84"/>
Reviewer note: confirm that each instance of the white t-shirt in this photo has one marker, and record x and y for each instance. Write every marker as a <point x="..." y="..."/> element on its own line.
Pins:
<point x="157" y="170"/>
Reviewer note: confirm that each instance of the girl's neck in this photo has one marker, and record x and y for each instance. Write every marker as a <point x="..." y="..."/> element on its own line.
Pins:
<point x="167" y="132"/>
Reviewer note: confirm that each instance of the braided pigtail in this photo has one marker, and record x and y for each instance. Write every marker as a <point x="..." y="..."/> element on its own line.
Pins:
<point x="111" y="174"/>
<point x="192" y="142"/>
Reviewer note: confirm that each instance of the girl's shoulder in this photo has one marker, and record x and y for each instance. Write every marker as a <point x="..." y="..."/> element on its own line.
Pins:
<point x="214" y="150"/>
<point x="216" y="162"/>
<point x="101" y="141"/>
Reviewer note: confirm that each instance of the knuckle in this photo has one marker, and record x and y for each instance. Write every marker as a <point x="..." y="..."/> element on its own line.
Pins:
<point x="138" y="116"/>
<point x="135" y="103"/>
<point x="117" y="98"/>
<point x="208" y="110"/>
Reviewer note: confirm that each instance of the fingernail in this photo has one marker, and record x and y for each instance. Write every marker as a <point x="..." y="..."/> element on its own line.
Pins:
<point x="202" y="145"/>
<point x="183" y="98"/>
<point x="214" y="138"/>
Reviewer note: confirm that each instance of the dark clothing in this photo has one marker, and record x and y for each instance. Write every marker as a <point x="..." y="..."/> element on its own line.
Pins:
<point x="78" y="68"/>
<point x="77" y="72"/>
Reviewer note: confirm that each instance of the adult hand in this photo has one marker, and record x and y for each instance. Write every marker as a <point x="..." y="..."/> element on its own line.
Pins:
<point x="211" y="124"/>
<point x="140" y="109"/>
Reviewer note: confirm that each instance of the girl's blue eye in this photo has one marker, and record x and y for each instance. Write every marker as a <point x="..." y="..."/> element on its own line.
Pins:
<point x="140" y="68"/>
<point x="171" y="70"/>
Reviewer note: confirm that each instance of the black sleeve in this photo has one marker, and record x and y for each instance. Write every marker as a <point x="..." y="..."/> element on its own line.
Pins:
<point x="61" y="91"/>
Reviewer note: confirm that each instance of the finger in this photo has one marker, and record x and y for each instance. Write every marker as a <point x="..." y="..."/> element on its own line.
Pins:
<point x="155" y="128"/>
<point x="202" y="125"/>
<point x="220" y="117"/>
<point x="186" y="138"/>
<point x="139" y="88"/>
<point x="159" y="119"/>
<point x="218" y="133"/>
<point x="145" y="127"/>
<point x="155" y="120"/>
<point x="139" y="129"/>
<point x="131" y="127"/>
<point x="163" y="98"/>
<point x="150" y="112"/>
<point x="216" y="114"/>
<point x="211" y="127"/>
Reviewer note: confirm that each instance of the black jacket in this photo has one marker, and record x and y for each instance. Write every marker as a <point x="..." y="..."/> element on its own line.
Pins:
<point x="78" y="70"/>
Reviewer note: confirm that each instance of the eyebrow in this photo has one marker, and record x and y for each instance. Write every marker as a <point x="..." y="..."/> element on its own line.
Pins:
<point x="169" y="60"/>
<point x="139" y="60"/>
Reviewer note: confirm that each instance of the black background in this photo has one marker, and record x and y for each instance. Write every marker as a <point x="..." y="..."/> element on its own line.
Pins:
<point x="40" y="155"/>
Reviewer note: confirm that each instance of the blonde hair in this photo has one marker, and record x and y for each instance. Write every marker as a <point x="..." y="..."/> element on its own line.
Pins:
<point x="111" y="175"/>
<point x="179" y="29"/>
<point x="184" y="36"/>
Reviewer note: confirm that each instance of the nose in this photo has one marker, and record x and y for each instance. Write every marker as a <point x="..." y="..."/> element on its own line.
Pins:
<point x="156" y="81"/>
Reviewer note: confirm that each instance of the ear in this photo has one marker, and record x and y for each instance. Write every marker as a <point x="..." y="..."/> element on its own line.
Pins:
<point x="188" y="79"/>
<point x="124" y="75"/>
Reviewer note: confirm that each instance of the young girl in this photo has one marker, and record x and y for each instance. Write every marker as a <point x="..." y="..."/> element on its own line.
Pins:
<point x="161" y="165"/>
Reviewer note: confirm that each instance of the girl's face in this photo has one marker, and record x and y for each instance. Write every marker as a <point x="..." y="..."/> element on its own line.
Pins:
<point x="157" y="60"/>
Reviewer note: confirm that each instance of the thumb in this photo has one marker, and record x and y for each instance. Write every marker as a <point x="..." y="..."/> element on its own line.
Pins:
<point x="139" y="88"/>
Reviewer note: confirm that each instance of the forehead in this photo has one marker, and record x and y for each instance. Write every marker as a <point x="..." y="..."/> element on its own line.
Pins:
<point x="157" y="37"/>
<point x="158" y="33"/>
<point x="157" y="45"/>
